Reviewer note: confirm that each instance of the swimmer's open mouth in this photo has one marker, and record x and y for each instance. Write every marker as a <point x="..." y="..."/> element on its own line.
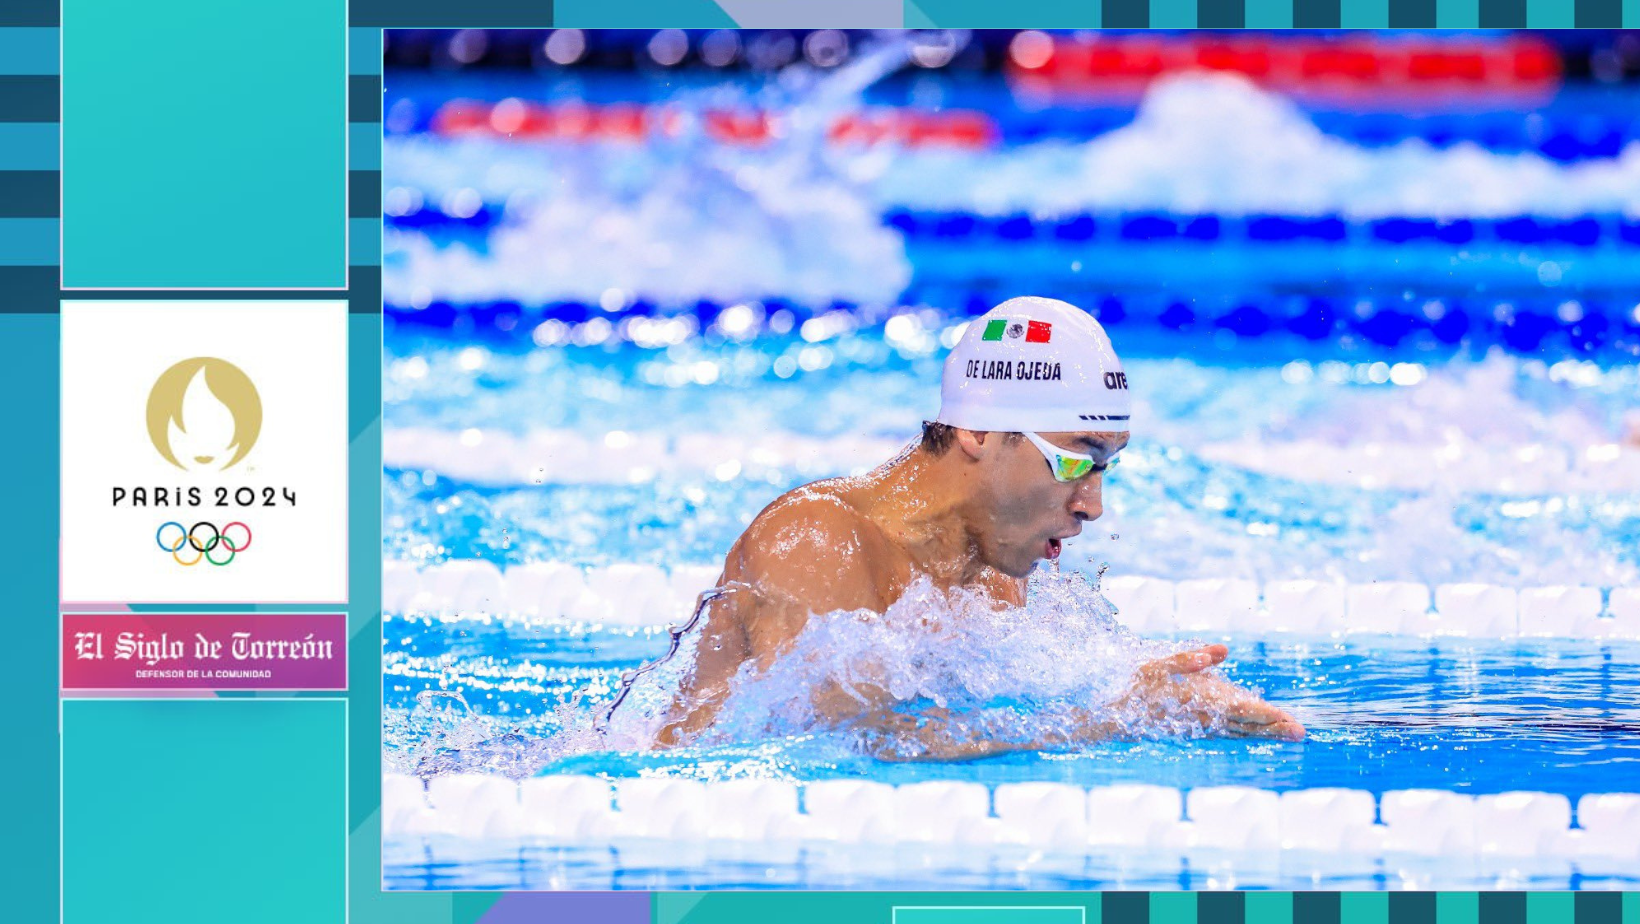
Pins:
<point x="1054" y="546"/>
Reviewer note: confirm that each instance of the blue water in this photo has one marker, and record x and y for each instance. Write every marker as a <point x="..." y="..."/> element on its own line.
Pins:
<point x="1383" y="712"/>
<point x="1374" y="308"/>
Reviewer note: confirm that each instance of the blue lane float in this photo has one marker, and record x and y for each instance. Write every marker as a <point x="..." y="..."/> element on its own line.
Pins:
<point x="1539" y="328"/>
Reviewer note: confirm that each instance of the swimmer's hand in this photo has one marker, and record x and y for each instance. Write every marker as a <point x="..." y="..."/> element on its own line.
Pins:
<point x="1180" y="683"/>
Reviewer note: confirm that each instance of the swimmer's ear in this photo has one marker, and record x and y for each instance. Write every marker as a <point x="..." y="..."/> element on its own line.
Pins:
<point x="976" y="444"/>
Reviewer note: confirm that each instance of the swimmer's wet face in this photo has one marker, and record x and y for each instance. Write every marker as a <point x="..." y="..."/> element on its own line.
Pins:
<point x="1025" y="513"/>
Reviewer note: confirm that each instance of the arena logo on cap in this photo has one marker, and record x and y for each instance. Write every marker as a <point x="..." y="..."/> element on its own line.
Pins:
<point x="1012" y="329"/>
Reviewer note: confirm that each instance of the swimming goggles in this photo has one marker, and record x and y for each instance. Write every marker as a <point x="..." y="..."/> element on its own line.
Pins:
<point x="1065" y="465"/>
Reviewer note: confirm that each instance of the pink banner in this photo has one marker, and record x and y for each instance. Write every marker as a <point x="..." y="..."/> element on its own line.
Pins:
<point x="205" y="651"/>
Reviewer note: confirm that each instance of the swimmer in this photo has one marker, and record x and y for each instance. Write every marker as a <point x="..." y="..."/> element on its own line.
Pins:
<point x="1034" y="408"/>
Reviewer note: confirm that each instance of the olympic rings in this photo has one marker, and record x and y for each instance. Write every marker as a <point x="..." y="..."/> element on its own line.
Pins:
<point x="202" y="549"/>
<point x="215" y="535"/>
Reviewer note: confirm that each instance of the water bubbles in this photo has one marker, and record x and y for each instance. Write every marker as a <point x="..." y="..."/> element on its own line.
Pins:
<point x="668" y="47"/>
<point x="1297" y="372"/>
<point x="826" y="47"/>
<point x="468" y="45"/>
<point x="565" y="46"/>
<point x="1030" y="50"/>
<point x="472" y="359"/>
<point x="771" y="50"/>
<point x="720" y="48"/>
<point x="935" y="48"/>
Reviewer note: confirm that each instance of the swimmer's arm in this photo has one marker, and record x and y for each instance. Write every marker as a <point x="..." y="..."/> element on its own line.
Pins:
<point x="931" y="736"/>
<point x="800" y="556"/>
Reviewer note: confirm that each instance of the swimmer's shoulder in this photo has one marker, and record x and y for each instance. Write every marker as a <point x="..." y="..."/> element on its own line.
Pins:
<point x="813" y="543"/>
<point x="815" y="519"/>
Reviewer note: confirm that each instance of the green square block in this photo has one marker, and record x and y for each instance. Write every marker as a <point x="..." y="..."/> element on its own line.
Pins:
<point x="1457" y="14"/>
<point x="1269" y="14"/>
<point x="1363" y="908"/>
<point x="987" y="14"/>
<point x="1269" y="908"/>
<point x="1172" y="14"/>
<point x="1550" y="14"/>
<point x="1363" y="14"/>
<point x="990" y="914"/>
<point x="642" y="14"/>
<point x="200" y="811"/>
<point x="1172" y="908"/>
<point x="215" y="157"/>
<point x="1551" y="907"/>
<point x="1457" y="907"/>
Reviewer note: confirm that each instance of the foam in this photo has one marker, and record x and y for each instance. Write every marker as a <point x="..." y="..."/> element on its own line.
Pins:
<point x="1045" y="816"/>
<point x="605" y="594"/>
<point x="1217" y="143"/>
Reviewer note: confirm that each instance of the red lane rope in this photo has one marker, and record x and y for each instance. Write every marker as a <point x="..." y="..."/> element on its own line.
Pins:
<point x="1410" y="64"/>
<point x="519" y="119"/>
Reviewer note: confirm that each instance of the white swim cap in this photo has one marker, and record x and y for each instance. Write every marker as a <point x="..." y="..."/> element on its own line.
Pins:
<point x="1034" y="364"/>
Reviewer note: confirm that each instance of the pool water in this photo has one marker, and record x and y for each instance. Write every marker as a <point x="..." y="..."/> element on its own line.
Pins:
<point x="600" y="355"/>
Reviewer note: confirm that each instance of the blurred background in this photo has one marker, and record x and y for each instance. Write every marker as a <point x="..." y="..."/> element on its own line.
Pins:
<point x="1377" y="292"/>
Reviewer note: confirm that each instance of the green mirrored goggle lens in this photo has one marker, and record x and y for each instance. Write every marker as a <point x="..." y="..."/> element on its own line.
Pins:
<point x="1072" y="469"/>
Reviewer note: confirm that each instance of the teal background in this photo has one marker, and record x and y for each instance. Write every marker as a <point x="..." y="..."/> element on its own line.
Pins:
<point x="230" y="174"/>
<point x="1000" y="915"/>
<point x="216" y="163"/>
<point x="211" y="810"/>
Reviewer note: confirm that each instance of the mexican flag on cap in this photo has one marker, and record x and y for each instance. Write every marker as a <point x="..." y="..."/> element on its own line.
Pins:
<point x="1032" y="331"/>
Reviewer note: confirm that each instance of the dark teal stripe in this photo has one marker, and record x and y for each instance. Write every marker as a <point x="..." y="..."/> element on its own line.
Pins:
<point x="34" y="290"/>
<point x="442" y="14"/>
<point x="1316" y="14"/>
<point x="1124" y="908"/>
<point x="364" y="194"/>
<point x="1412" y="14"/>
<point x="1502" y="907"/>
<point x="28" y="194"/>
<point x="1599" y="908"/>
<point x="30" y="98"/>
<point x="1221" y="14"/>
<point x="29" y="14"/>
<point x="1598" y="14"/>
<point x="364" y="98"/>
<point x="1412" y="907"/>
<point x="1503" y="14"/>
<point x="364" y="292"/>
<point x="29" y="290"/>
<point x="1125" y="14"/>
<point x="1315" y="907"/>
<point x="28" y="51"/>
<point x="1221" y="908"/>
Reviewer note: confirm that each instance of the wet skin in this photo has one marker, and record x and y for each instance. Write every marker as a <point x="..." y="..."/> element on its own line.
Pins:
<point x="978" y="515"/>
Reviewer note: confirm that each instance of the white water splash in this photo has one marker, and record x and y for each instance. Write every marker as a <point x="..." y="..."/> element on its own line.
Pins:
<point x="1013" y="675"/>
<point x="1009" y="674"/>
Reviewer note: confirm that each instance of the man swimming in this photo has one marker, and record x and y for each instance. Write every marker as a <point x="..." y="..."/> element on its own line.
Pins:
<point x="973" y="507"/>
